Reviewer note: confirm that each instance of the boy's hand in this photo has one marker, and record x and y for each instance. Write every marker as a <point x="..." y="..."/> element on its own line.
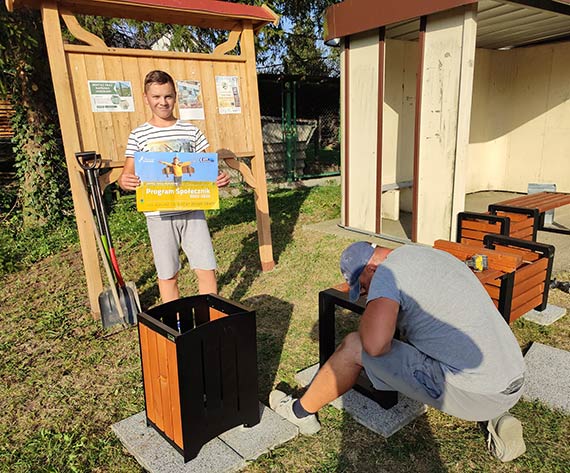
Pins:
<point x="129" y="181"/>
<point x="223" y="179"/>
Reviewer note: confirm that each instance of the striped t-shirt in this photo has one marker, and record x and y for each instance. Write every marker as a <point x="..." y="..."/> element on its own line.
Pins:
<point x="182" y="137"/>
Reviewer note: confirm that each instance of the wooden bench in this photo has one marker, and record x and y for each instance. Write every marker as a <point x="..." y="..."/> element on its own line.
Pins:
<point x="518" y="274"/>
<point x="520" y="217"/>
<point x="527" y="213"/>
<point x="473" y="226"/>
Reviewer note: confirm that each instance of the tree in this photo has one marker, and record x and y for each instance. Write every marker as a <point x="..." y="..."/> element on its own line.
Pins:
<point x="43" y="195"/>
<point x="41" y="169"/>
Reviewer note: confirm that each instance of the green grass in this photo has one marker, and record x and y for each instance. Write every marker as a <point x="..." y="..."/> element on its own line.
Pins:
<point x="65" y="381"/>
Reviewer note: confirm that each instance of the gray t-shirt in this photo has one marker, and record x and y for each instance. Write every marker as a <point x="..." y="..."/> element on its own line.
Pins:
<point x="446" y="314"/>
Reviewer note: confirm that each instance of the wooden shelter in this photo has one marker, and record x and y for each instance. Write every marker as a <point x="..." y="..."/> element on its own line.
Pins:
<point x="445" y="97"/>
<point x="234" y="136"/>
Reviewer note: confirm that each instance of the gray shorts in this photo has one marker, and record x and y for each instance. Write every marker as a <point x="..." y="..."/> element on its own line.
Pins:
<point x="169" y="233"/>
<point x="407" y="370"/>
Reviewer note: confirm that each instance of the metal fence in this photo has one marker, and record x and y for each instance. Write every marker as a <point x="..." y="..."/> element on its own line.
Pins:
<point x="300" y="126"/>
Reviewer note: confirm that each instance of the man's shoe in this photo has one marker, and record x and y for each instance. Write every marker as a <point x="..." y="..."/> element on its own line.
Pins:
<point x="505" y="440"/>
<point x="282" y="404"/>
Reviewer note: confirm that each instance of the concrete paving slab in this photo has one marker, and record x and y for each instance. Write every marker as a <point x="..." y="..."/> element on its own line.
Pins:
<point x="385" y="422"/>
<point x="227" y="453"/>
<point x="547" y="317"/>
<point x="156" y="455"/>
<point x="252" y="442"/>
<point x="547" y="377"/>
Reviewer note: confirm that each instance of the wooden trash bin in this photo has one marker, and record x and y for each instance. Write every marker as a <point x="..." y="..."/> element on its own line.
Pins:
<point x="199" y="366"/>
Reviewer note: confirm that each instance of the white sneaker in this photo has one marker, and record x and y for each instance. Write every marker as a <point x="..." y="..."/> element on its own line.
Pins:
<point x="282" y="404"/>
<point x="505" y="440"/>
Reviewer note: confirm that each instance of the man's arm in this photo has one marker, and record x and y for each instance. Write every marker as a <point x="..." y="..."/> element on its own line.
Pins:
<point x="128" y="180"/>
<point x="378" y="325"/>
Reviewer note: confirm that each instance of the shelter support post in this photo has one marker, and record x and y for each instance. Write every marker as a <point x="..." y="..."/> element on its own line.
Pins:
<point x="446" y="84"/>
<point x="70" y="135"/>
<point x="258" y="162"/>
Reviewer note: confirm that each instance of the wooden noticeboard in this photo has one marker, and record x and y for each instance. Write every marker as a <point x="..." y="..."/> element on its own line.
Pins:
<point x="235" y="136"/>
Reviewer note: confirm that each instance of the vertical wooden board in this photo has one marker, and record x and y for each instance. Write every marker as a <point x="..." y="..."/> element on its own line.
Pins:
<point x="174" y="393"/>
<point x="146" y="64"/>
<point x="132" y="73"/>
<point x="212" y="374"/>
<point x="245" y="97"/>
<point x="103" y="121"/>
<point x="155" y="381"/>
<point x="147" y="376"/>
<point x="118" y="135"/>
<point x="190" y="70"/>
<point x="208" y="82"/>
<point x="235" y="124"/>
<point x="216" y="314"/>
<point x="164" y="385"/>
<point x="229" y="355"/>
<point x="80" y="92"/>
<point x="177" y="73"/>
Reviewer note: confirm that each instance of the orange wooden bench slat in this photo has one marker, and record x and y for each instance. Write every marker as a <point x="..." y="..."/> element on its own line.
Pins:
<point x="515" y="217"/>
<point x="493" y="291"/>
<point x="481" y="226"/>
<point x="506" y="262"/>
<point x="524" y="286"/>
<point x="523" y="224"/>
<point x="467" y="241"/>
<point x="488" y="275"/>
<point x="529" y="295"/>
<point x="474" y="235"/>
<point x="530" y="270"/>
<point x="542" y="201"/>
<point x="526" y="255"/>
<point x="523" y="309"/>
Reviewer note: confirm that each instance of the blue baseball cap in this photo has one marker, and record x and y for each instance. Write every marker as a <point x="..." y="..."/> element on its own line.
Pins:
<point x="352" y="262"/>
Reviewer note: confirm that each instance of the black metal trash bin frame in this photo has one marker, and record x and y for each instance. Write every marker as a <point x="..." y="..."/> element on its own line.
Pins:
<point x="216" y="364"/>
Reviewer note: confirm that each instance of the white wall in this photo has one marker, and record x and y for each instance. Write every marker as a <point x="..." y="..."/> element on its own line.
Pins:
<point x="520" y="123"/>
<point x="362" y="130"/>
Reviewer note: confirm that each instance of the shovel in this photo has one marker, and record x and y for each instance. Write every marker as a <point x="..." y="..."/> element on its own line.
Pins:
<point x="120" y="304"/>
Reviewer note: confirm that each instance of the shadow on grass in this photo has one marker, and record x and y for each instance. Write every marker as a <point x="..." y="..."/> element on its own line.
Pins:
<point x="273" y="317"/>
<point x="284" y="207"/>
<point x="362" y="449"/>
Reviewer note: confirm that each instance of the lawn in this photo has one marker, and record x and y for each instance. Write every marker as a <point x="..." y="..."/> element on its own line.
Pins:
<point x="65" y="380"/>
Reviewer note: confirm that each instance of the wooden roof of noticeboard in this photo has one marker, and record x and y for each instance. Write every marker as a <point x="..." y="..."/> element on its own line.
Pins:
<point x="500" y="24"/>
<point x="203" y="13"/>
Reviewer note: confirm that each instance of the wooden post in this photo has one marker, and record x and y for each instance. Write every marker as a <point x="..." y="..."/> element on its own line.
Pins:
<point x="70" y="135"/>
<point x="257" y="162"/>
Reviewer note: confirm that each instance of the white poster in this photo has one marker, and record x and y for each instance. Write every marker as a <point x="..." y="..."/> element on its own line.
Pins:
<point x="190" y="102"/>
<point x="227" y="88"/>
<point x="111" y="96"/>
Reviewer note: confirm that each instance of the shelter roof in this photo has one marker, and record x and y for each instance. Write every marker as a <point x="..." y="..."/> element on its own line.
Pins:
<point x="500" y="24"/>
<point x="203" y="13"/>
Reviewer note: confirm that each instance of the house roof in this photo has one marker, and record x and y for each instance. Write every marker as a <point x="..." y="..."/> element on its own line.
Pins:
<point x="500" y="24"/>
<point x="203" y="13"/>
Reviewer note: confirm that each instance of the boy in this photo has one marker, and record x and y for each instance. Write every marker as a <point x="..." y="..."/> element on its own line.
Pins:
<point x="169" y="231"/>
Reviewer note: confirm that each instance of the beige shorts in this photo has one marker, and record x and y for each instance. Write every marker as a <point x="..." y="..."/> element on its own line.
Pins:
<point x="186" y="230"/>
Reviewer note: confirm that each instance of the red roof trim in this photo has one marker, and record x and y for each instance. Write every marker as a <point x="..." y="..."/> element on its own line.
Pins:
<point x="210" y="6"/>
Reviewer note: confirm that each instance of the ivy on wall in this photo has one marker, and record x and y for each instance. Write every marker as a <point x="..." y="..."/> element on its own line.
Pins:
<point x="43" y="189"/>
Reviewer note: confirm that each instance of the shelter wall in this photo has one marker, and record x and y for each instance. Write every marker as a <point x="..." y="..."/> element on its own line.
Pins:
<point x="398" y="122"/>
<point x="520" y="120"/>
<point x="362" y="129"/>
